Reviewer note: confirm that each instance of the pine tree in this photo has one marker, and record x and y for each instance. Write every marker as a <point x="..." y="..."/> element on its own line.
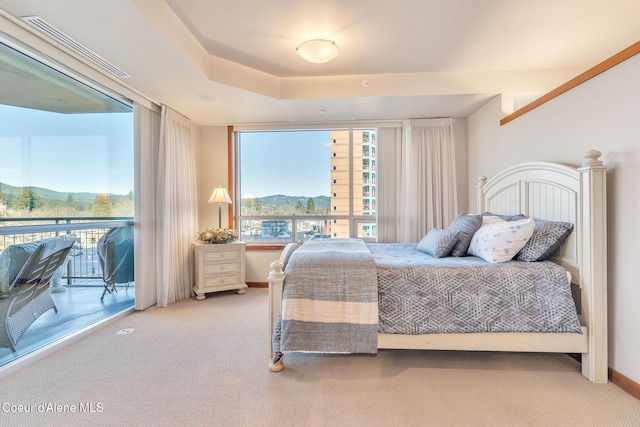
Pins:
<point x="311" y="206"/>
<point x="70" y="203"/>
<point x="257" y="205"/>
<point x="28" y="200"/>
<point x="101" y="206"/>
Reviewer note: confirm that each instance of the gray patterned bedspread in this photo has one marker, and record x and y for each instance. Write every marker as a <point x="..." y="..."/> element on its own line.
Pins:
<point x="330" y="300"/>
<point x="419" y="294"/>
<point x="339" y="293"/>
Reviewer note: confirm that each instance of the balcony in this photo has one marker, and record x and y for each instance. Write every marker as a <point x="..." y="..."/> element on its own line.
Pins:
<point x="77" y="287"/>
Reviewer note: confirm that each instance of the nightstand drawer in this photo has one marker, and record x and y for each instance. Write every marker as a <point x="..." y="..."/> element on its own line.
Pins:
<point x="222" y="280"/>
<point x="222" y="267"/>
<point x="221" y="255"/>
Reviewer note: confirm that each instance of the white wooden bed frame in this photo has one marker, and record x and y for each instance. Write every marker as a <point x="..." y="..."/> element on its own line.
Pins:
<point x="546" y="191"/>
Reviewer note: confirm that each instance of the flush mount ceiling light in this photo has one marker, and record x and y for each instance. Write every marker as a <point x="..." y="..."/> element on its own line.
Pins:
<point x="206" y="98"/>
<point x="318" y="51"/>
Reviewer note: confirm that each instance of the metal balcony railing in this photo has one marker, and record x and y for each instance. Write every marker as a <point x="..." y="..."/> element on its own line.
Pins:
<point x="83" y="267"/>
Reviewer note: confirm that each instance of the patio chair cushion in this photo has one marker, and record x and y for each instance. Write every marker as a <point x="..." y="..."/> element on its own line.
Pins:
<point x="11" y="261"/>
<point x="115" y="252"/>
<point x="29" y="294"/>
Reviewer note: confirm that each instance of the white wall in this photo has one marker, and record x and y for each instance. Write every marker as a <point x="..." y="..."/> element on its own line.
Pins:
<point x="211" y="167"/>
<point x="604" y="114"/>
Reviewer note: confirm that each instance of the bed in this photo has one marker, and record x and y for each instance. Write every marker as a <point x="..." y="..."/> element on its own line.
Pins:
<point x="541" y="190"/>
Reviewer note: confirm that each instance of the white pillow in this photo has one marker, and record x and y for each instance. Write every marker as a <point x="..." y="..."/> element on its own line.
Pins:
<point x="500" y="241"/>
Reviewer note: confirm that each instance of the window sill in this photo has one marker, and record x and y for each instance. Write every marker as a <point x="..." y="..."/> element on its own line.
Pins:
<point x="269" y="247"/>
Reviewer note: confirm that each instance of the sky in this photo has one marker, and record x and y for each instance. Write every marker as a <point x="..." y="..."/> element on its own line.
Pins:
<point x="90" y="152"/>
<point x="94" y="153"/>
<point x="301" y="159"/>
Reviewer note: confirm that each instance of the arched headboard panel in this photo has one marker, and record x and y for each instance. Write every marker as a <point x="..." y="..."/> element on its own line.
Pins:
<point x="548" y="191"/>
<point x="559" y="192"/>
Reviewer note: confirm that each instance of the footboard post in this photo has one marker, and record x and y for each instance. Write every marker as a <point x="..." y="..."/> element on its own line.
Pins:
<point x="276" y="281"/>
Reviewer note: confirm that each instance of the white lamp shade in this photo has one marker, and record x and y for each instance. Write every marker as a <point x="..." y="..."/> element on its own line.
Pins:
<point x="220" y="195"/>
<point x="318" y="51"/>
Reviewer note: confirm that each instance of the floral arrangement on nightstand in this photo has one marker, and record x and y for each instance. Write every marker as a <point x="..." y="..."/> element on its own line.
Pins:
<point x="217" y="235"/>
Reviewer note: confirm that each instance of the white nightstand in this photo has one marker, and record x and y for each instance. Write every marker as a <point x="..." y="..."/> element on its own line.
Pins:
<point x="219" y="267"/>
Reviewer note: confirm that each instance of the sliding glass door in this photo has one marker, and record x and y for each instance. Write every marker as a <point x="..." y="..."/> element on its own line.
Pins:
<point x="66" y="171"/>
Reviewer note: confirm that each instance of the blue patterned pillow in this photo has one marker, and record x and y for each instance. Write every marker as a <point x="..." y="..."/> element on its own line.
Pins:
<point x="546" y="239"/>
<point x="467" y="225"/>
<point x="438" y="243"/>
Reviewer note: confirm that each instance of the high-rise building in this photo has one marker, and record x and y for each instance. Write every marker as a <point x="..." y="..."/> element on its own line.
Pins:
<point x="363" y="180"/>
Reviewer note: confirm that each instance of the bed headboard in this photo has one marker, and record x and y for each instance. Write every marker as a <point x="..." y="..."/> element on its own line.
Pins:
<point x="559" y="192"/>
<point x="554" y="192"/>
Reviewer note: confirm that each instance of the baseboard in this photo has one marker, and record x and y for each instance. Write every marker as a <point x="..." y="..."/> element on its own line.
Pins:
<point x="625" y="383"/>
<point x="257" y="284"/>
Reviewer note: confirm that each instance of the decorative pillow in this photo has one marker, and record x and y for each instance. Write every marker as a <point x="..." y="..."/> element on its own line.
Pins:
<point x="546" y="239"/>
<point x="438" y="243"/>
<point x="286" y="253"/>
<point x="467" y="225"/>
<point x="501" y="241"/>
<point x="505" y="217"/>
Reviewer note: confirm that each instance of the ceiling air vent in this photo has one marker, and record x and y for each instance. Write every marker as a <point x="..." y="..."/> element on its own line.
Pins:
<point x="78" y="47"/>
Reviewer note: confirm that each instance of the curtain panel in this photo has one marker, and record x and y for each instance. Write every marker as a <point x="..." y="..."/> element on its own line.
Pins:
<point x="416" y="179"/>
<point x="166" y="210"/>
<point x="389" y="162"/>
<point x="146" y="137"/>
<point x="176" y="209"/>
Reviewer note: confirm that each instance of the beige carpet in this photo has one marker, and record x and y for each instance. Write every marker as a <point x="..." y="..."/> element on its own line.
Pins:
<point x="204" y="363"/>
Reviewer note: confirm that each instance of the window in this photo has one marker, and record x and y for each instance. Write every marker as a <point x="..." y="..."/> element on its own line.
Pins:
<point x="67" y="171"/>
<point x="302" y="185"/>
<point x="67" y="149"/>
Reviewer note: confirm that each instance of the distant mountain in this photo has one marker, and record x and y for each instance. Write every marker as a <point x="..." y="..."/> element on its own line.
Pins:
<point x="320" y="202"/>
<point x="45" y="193"/>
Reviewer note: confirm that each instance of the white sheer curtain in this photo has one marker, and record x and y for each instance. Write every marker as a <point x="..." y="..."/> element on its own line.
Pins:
<point x="176" y="209"/>
<point x="389" y="162"/>
<point x="166" y="207"/>
<point x="147" y="136"/>
<point x="416" y="179"/>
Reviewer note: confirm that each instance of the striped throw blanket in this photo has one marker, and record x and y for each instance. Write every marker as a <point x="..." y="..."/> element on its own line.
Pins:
<point x="330" y="299"/>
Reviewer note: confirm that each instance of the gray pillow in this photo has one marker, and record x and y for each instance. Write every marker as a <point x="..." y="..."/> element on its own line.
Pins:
<point x="438" y="243"/>
<point x="467" y="225"/>
<point x="506" y="217"/>
<point x="546" y="239"/>
<point x="286" y="253"/>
